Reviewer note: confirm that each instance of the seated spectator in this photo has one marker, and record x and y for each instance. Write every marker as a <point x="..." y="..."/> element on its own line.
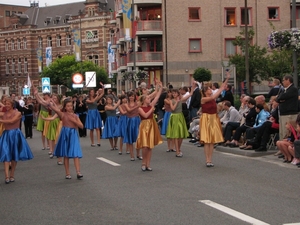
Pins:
<point x="262" y="137"/>
<point x="249" y="122"/>
<point x="231" y="126"/>
<point x="261" y="100"/>
<point x="194" y="127"/>
<point x="295" y="150"/>
<point x="287" y="142"/>
<point x="228" y="95"/>
<point x="261" y="117"/>
<point x="231" y="114"/>
<point x="220" y="109"/>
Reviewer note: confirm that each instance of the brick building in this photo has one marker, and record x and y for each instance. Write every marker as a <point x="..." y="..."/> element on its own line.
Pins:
<point x="6" y="11"/>
<point x="24" y="41"/>
<point x="178" y="36"/>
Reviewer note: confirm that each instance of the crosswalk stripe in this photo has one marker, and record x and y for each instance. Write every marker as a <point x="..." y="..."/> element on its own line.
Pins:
<point x="108" y="161"/>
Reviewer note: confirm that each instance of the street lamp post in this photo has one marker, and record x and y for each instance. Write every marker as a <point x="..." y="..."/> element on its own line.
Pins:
<point x="295" y="68"/>
<point x="247" y="83"/>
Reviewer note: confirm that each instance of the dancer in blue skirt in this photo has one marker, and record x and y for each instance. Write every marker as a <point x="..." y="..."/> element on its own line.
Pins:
<point x="13" y="143"/>
<point x="166" y="119"/>
<point x="111" y="122"/>
<point x="68" y="144"/>
<point x="93" y="118"/>
<point x="120" y="131"/>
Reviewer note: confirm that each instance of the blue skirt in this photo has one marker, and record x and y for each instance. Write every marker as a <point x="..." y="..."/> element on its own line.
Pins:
<point x="132" y="130"/>
<point x="165" y="123"/>
<point x="93" y="119"/>
<point x="13" y="146"/>
<point x="110" y="126"/>
<point x="120" y="130"/>
<point x="68" y="144"/>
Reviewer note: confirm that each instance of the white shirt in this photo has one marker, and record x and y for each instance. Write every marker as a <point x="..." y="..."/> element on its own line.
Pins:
<point x="188" y="101"/>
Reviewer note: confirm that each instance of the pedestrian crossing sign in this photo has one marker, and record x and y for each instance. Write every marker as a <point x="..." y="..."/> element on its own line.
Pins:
<point x="46" y="89"/>
<point x="46" y="81"/>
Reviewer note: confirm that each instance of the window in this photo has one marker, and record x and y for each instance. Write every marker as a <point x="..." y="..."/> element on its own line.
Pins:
<point x="94" y="59"/>
<point x="91" y="34"/>
<point x="69" y="40"/>
<point x="40" y="42"/>
<point x="194" y="45"/>
<point x="13" y="68"/>
<point x="194" y="14"/>
<point x="13" y="12"/>
<point x="6" y="45"/>
<point x="7" y="66"/>
<point x="7" y="13"/>
<point x="12" y="44"/>
<point x="150" y="14"/>
<point x="49" y="41"/>
<point x="20" y="65"/>
<point x="58" y="40"/>
<point x="230" y="18"/>
<point x="25" y="65"/>
<point x="230" y="48"/>
<point x="248" y="13"/>
<point x="273" y="13"/>
<point x="24" y="43"/>
<point x="18" y="44"/>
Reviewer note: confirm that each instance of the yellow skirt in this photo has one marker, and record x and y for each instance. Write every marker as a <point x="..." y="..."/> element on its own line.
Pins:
<point x="58" y="131"/>
<point x="46" y="127"/>
<point x="149" y="135"/>
<point x="210" y="128"/>
<point x="1" y="128"/>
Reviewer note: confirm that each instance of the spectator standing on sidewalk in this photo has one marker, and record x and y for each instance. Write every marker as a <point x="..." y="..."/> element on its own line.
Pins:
<point x="288" y="104"/>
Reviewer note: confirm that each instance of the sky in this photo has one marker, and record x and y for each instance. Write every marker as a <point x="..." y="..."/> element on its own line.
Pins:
<point x="41" y="2"/>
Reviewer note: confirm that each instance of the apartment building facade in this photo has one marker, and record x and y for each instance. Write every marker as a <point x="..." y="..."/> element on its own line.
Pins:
<point x="176" y="37"/>
<point x="24" y="42"/>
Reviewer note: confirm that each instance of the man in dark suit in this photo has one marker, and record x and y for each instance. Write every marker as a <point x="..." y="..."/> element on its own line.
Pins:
<point x="194" y="103"/>
<point x="228" y="96"/>
<point x="288" y="104"/>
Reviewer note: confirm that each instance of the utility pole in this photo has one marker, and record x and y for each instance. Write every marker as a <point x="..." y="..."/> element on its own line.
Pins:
<point x="247" y="81"/>
<point x="133" y="38"/>
<point x="295" y="66"/>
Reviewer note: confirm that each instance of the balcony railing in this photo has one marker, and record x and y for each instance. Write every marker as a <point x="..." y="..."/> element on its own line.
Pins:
<point x="123" y="61"/>
<point x="120" y="34"/>
<point x="149" y="25"/>
<point x="146" y="57"/>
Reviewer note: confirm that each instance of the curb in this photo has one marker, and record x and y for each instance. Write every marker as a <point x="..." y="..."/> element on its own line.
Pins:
<point x="248" y="153"/>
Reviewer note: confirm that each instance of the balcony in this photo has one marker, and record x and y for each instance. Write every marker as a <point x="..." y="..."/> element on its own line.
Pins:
<point x="118" y="8"/>
<point x="114" y="67"/>
<point x="113" y="19"/>
<point x="122" y="65"/>
<point x="147" y="2"/>
<point x="149" y="27"/>
<point x="120" y="36"/>
<point x="146" y="59"/>
<point x="114" y="43"/>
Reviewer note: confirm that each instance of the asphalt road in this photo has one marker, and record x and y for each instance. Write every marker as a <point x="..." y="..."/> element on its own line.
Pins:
<point x="239" y="189"/>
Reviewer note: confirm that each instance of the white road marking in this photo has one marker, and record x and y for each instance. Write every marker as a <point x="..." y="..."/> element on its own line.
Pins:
<point x="233" y="213"/>
<point x="291" y="224"/>
<point x="108" y="161"/>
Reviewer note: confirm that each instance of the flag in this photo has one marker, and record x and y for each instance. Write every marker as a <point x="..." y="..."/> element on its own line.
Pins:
<point x="28" y="82"/>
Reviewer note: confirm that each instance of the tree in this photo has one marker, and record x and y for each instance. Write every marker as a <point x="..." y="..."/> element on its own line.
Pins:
<point x="202" y="74"/>
<point x="61" y="70"/>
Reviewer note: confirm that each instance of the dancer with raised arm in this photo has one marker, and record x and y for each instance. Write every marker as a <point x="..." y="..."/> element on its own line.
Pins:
<point x="149" y="135"/>
<point x="210" y="125"/>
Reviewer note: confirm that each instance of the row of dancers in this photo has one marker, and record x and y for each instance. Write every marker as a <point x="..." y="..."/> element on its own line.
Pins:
<point x="136" y="124"/>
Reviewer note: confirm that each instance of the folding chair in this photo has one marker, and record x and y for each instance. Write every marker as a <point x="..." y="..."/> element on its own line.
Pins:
<point x="272" y="141"/>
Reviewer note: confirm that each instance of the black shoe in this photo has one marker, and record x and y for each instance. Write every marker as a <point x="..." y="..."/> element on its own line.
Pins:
<point x="261" y="149"/>
<point x="79" y="176"/>
<point x="194" y="140"/>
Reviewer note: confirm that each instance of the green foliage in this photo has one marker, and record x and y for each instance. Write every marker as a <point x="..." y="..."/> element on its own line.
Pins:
<point x="61" y="70"/>
<point x="202" y="74"/>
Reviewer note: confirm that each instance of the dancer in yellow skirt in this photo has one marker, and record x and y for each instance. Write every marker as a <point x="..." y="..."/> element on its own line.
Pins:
<point x="149" y="134"/>
<point x="210" y="125"/>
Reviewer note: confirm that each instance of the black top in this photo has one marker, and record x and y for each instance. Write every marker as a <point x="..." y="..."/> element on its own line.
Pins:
<point x="80" y="108"/>
<point x="161" y="103"/>
<point x="195" y="99"/>
<point x="228" y="97"/>
<point x="250" y="117"/>
<point x="288" y="101"/>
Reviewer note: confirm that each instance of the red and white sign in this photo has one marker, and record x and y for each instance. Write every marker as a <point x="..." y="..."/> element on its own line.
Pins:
<point x="77" y="78"/>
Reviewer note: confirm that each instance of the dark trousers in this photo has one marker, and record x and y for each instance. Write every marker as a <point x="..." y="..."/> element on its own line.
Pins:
<point x="103" y="118"/>
<point x="239" y="131"/>
<point x="251" y="132"/>
<point x="230" y="126"/>
<point x="263" y="134"/>
<point x="28" y="126"/>
<point x="82" y="132"/>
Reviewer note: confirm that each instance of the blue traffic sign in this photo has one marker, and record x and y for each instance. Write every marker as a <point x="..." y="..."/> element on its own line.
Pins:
<point x="46" y="89"/>
<point x="46" y="81"/>
<point x="26" y="91"/>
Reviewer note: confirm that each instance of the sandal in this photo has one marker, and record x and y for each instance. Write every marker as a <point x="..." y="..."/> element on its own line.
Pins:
<point x="79" y="176"/>
<point x="11" y="179"/>
<point x="93" y="145"/>
<point x="68" y="177"/>
<point x="249" y="147"/>
<point x="7" y="180"/>
<point x="143" y="168"/>
<point x="180" y="155"/>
